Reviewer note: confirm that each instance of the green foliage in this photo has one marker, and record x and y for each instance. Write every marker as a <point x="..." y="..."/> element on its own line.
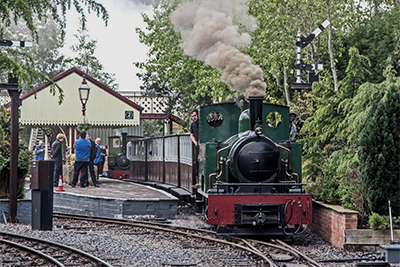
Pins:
<point x="378" y="222"/>
<point x="19" y="62"/>
<point x="377" y="37"/>
<point x="319" y="128"/>
<point x="357" y="72"/>
<point x="330" y="161"/>
<point x="169" y="72"/>
<point x="382" y="222"/>
<point x="379" y="154"/>
<point x="84" y="126"/>
<point x="153" y="128"/>
<point x="11" y="10"/>
<point x="45" y="55"/>
<point x="24" y="156"/>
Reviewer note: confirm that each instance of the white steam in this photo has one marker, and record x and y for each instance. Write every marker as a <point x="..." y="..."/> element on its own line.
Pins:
<point x="209" y="35"/>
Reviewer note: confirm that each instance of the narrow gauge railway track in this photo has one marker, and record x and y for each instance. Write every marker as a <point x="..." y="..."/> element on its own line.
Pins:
<point x="273" y="254"/>
<point x="39" y="252"/>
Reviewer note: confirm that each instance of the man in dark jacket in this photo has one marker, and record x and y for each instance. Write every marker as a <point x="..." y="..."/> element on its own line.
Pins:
<point x="93" y="152"/>
<point x="56" y="154"/>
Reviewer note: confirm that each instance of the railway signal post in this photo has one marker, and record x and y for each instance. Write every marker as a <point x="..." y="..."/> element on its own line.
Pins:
<point x="301" y="43"/>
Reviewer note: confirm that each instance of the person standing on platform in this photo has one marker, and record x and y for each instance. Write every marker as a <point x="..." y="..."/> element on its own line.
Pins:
<point x="56" y="154"/>
<point x="100" y="162"/>
<point x="39" y="151"/>
<point x="93" y="154"/>
<point x="82" y="159"/>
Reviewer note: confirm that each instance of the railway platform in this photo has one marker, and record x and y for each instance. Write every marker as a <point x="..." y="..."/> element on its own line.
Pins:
<point x="113" y="199"/>
<point x="116" y="199"/>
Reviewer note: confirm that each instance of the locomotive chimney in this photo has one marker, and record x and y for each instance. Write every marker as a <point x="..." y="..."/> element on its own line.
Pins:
<point x="124" y="135"/>
<point x="256" y="103"/>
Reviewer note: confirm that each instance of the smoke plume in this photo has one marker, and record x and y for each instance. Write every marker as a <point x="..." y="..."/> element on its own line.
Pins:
<point x="209" y="35"/>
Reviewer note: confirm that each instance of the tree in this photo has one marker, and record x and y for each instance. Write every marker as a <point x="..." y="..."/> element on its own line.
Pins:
<point x="169" y="69"/>
<point x="377" y="38"/>
<point x="380" y="154"/>
<point x="357" y="72"/>
<point x="45" y="53"/>
<point x="153" y="128"/>
<point x="169" y="72"/>
<point x="88" y="62"/>
<point x="273" y="42"/>
<point x="22" y="65"/>
<point x="16" y="61"/>
<point x="326" y="141"/>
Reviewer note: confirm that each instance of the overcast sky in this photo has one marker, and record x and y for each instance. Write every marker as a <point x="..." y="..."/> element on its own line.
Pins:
<point x="117" y="44"/>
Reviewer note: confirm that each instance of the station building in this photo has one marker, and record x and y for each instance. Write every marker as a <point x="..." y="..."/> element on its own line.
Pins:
<point x="108" y="113"/>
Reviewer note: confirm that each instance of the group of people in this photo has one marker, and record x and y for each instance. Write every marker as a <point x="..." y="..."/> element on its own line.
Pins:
<point x="87" y="154"/>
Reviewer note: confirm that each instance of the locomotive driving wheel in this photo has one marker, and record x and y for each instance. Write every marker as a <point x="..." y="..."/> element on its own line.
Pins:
<point x="122" y="162"/>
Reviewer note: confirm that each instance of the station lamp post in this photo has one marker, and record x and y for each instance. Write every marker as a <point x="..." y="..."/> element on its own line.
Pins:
<point x="84" y="91"/>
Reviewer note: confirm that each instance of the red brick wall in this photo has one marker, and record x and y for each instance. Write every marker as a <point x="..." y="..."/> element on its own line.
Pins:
<point x="331" y="221"/>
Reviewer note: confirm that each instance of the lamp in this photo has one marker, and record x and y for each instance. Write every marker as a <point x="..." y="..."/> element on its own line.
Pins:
<point x="84" y="91"/>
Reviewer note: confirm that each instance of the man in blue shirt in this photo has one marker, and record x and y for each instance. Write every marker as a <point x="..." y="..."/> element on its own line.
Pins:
<point x="82" y="159"/>
<point x="39" y="151"/>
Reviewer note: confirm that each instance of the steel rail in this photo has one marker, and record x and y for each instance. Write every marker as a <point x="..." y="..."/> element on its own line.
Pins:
<point x="270" y="262"/>
<point x="75" y="250"/>
<point x="285" y="249"/>
<point x="165" y="228"/>
<point x="298" y="252"/>
<point x="33" y="251"/>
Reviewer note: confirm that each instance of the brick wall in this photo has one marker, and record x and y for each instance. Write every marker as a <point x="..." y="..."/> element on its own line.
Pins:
<point x="331" y="222"/>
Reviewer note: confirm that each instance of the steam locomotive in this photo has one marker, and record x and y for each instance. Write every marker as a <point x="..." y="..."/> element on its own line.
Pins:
<point x="118" y="163"/>
<point x="249" y="174"/>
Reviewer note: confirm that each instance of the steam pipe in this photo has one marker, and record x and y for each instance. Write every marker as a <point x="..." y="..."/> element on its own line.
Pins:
<point x="209" y="179"/>
<point x="289" y="155"/>
<point x="219" y="161"/>
<point x="289" y="162"/>
<point x="217" y="175"/>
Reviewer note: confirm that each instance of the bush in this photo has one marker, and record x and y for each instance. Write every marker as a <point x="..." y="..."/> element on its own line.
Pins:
<point x="379" y="222"/>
